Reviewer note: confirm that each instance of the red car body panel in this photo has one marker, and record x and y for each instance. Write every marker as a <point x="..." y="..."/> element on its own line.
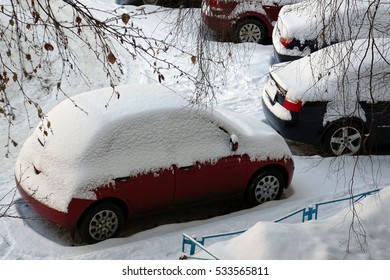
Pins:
<point x="67" y="220"/>
<point x="286" y="166"/>
<point x="147" y="192"/>
<point x="168" y="188"/>
<point x="210" y="180"/>
<point x="272" y="11"/>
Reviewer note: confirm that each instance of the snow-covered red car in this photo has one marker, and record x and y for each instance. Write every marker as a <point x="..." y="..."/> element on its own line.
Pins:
<point x="105" y="160"/>
<point x="310" y="25"/>
<point x="242" y="20"/>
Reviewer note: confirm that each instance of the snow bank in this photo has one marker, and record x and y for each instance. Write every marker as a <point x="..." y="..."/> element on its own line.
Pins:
<point x="307" y="241"/>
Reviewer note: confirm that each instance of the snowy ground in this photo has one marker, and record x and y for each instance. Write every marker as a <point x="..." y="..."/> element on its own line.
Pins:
<point x="316" y="179"/>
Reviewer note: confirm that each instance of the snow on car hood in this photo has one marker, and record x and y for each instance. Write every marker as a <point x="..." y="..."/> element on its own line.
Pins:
<point x="95" y="134"/>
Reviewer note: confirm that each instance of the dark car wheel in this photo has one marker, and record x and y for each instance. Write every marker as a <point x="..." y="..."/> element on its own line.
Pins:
<point x="344" y="139"/>
<point x="250" y="30"/>
<point x="266" y="186"/>
<point x="101" y="222"/>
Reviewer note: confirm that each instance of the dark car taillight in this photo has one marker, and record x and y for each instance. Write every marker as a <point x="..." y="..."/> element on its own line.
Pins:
<point x="282" y="99"/>
<point x="216" y="5"/>
<point x="291" y="43"/>
<point x="286" y="41"/>
<point x="222" y="7"/>
<point x="292" y="106"/>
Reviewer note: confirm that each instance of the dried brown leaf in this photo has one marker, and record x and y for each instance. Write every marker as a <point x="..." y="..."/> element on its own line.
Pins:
<point x="111" y="58"/>
<point x="48" y="47"/>
<point x="125" y="18"/>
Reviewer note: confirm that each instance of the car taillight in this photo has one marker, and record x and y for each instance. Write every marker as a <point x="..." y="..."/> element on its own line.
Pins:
<point x="285" y="41"/>
<point x="215" y="5"/>
<point x="292" y="106"/>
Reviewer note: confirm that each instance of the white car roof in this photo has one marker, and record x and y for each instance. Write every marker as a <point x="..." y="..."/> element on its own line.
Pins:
<point x="334" y="20"/>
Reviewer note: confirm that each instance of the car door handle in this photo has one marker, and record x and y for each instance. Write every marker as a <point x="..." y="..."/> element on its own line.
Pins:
<point x="186" y="168"/>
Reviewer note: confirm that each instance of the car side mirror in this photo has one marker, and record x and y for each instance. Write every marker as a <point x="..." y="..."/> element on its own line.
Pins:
<point x="233" y="143"/>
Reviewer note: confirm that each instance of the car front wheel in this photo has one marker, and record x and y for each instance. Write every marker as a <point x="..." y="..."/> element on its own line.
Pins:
<point x="250" y="31"/>
<point x="101" y="222"/>
<point x="344" y="139"/>
<point x="266" y="186"/>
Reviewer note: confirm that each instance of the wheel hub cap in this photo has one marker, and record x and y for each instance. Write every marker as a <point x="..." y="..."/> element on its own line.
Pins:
<point x="345" y="141"/>
<point x="103" y="225"/>
<point x="267" y="189"/>
<point x="250" y="33"/>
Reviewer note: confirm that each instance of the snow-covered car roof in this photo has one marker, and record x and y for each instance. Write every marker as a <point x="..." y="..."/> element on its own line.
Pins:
<point x="356" y="70"/>
<point x="334" y="20"/>
<point x="97" y="137"/>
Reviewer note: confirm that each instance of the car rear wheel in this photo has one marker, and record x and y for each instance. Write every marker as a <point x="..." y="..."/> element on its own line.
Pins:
<point x="101" y="222"/>
<point x="266" y="186"/>
<point x="344" y="139"/>
<point x="250" y="30"/>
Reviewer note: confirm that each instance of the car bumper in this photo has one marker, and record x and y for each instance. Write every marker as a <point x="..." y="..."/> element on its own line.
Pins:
<point x="67" y="220"/>
<point x="305" y="126"/>
<point x="284" y="57"/>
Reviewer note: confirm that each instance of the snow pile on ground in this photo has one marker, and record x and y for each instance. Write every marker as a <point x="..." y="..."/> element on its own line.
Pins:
<point x="358" y="234"/>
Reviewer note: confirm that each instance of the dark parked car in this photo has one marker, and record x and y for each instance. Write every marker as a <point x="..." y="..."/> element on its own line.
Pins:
<point x="337" y="97"/>
<point x="103" y="162"/>
<point x="310" y="25"/>
<point x="242" y="20"/>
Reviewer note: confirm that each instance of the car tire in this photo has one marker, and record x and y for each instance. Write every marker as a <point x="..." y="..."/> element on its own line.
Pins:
<point x="266" y="186"/>
<point x="101" y="222"/>
<point x="344" y="138"/>
<point x="250" y="30"/>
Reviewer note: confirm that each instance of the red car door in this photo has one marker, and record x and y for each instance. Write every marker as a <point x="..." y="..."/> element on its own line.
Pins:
<point x="210" y="180"/>
<point x="148" y="192"/>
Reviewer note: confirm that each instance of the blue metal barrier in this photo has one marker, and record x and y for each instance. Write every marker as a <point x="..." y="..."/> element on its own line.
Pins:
<point x="308" y="214"/>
